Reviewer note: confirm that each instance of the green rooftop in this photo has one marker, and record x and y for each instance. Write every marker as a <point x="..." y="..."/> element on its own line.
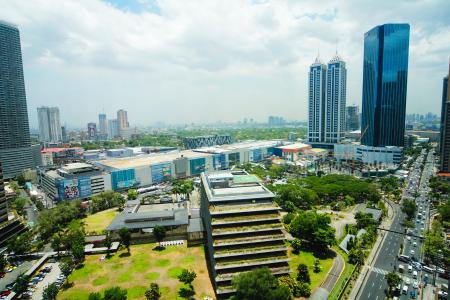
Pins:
<point x="242" y="179"/>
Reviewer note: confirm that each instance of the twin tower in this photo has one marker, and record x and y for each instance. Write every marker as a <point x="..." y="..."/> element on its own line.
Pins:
<point x="327" y="99"/>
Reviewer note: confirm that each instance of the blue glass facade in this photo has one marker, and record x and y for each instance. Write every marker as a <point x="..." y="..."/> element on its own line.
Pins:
<point x="197" y="166"/>
<point x="161" y="172"/>
<point x="123" y="179"/>
<point x="385" y="77"/>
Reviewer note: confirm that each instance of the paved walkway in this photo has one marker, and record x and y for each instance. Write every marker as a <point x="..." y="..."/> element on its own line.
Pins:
<point x="333" y="275"/>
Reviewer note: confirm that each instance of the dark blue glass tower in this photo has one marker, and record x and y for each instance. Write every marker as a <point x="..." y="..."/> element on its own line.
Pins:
<point x="385" y="79"/>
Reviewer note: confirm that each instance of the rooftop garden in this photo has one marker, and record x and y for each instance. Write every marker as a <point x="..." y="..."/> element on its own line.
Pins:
<point x="236" y="229"/>
<point x="249" y="239"/>
<point x="253" y="217"/>
<point x="240" y="207"/>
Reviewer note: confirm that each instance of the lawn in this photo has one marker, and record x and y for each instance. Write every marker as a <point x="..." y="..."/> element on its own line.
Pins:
<point x="98" y="222"/>
<point x="308" y="259"/>
<point x="137" y="271"/>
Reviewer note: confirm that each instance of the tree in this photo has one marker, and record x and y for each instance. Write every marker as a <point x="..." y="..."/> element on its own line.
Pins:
<point x="50" y="292"/>
<point x="409" y="207"/>
<point x="153" y="293"/>
<point x="317" y="267"/>
<point x="160" y="233"/>
<point x="296" y="245"/>
<point x="77" y="249"/>
<point x="303" y="273"/>
<point x="132" y="194"/>
<point x="115" y="293"/>
<point x="186" y="292"/>
<point x="393" y="279"/>
<point x="363" y="220"/>
<point x="3" y="262"/>
<point x="95" y="296"/>
<point x="356" y="256"/>
<point x="19" y="205"/>
<point x="21" y="180"/>
<point x="66" y="266"/>
<point x="303" y="289"/>
<point x="21" y="284"/>
<point x="187" y="277"/>
<point x="259" y="284"/>
<point x="20" y="244"/>
<point x="108" y="241"/>
<point x="125" y="237"/>
<point x="314" y="228"/>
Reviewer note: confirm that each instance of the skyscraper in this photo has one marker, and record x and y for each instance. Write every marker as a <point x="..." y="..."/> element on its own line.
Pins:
<point x="122" y="119"/>
<point x="352" y="117"/>
<point x="385" y="78"/>
<point x="336" y="97"/>
<point x="445" y="126"/>
<point x="3" y="203"/>
<point x="113" y="129"/>
<point x="49" y="124"/>
<point x="316" y="101"/>
<point x="102" y="124"/>
<point x="92" y="131"/>
<point x="15" y="150"/>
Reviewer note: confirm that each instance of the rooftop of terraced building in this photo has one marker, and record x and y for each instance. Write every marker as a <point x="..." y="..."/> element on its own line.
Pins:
<point x="233" y="185"/>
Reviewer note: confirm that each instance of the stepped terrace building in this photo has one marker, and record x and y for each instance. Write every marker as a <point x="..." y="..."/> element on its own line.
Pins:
<point x="242" y="227"/>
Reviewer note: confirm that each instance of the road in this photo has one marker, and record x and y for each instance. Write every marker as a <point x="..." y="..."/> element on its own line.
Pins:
<point x="333" y="276"/>
<point x="375" y="286"/>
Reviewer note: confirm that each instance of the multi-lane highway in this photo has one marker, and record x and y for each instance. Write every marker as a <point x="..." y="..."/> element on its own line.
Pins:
<point x="386" y="260"/>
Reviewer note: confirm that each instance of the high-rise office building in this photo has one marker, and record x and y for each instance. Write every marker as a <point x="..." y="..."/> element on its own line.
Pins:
<point x="445" y="126"/>
<point x="327" y="99"/>
<point x="352" y="117"/>
<point x="316" y="101"/>
<point x="102" y="124"/>
<point x="336" y="98"/>
<point x="49" y="124"/>
<point x="3" y="204"/>
<point x="15" y="150"/>
<point x="122" y="119"/>
<point x="113" y="129"/>
<point x="385" y="77"/>
<point x="92" y="131"/>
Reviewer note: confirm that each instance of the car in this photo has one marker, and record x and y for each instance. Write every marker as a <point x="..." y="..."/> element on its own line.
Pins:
<point x="412" y="252"/>
<point x="410" y="268"/>
<point x="415" y="244"/>
<point x="405" y="289"/>
<point x="408" y="238"/>
<point x="440" y="270"/>
<point x="415" y="284"/>
<point x="407" y="281"/>
<point x="5" y="293"/>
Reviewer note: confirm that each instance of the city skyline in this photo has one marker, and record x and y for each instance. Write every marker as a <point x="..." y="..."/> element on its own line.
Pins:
<point x="160" y="74"/>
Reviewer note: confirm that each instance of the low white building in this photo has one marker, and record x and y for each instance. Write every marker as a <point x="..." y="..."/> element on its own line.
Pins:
<point x="367" y="154"/>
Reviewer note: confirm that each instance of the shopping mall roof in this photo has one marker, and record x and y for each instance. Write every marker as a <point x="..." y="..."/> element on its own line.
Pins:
<point x="250" y="144"/>
<point x="147" y="160"/>
<point x="52" y="150"/>
<point x="296" y="147"/>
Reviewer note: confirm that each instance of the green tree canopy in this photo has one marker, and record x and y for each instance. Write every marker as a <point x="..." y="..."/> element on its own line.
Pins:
<point x="153" y="293"/>
<point x="115" y="293"/>
<point x="125" y="237"/>
<point x="259" y="284"/>
<point x="159" y="232"/>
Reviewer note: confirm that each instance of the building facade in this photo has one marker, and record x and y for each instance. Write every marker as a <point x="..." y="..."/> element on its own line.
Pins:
<point x="122" y="121"/>
<point x="336" y="98"/>
<point x="352" y="118"/>
<point x="102" y="127"/>
<point x="3" y="203"/>
<point x="113" y="129"/>
<point x="385" y="77"/>
<point x="49" y="124"/>
<point x="242" y="228"/>
<point x="92" y="131"/>
<point x="445" y="127"/>
<point x="316" y="101"/>
<point x="206" y="141"/>
<point x="390" y="155"/>
<point x="15" y="150"/>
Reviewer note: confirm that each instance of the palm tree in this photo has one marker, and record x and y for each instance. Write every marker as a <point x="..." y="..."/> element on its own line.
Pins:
<point x="393" y="279"/>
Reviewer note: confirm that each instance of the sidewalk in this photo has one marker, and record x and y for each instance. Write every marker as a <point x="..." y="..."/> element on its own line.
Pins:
<point x="373" y="254"/>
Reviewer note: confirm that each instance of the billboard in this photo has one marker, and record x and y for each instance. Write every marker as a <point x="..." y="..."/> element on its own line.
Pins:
<point x="75" y="188"/>
<point x="197" y="165"/>
<point x="161" y="172"/>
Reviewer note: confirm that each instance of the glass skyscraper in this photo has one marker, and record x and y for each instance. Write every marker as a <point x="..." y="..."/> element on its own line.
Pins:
<point x="385" y="78"/>
<point x="15" y="145"/>
<point x="316" y="101"/>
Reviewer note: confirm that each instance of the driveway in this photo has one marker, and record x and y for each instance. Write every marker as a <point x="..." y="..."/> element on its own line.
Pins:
<point x="49" y="279"/>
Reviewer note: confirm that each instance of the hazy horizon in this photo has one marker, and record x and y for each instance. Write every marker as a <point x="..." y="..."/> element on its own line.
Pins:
<point x="205" y="61"/>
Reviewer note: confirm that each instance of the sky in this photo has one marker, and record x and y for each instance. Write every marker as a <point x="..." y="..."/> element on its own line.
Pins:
<point x="177" y="61"/>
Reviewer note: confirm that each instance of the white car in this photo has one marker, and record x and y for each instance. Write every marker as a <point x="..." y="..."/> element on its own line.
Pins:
<point x="412" y="252"/>
<point x="415" y="284"/>
<point x="407" y="281"/>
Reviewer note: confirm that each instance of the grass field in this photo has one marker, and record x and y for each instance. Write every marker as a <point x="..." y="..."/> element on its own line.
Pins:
<point x="98" y="222"/>
<point x="308" y="259"/>
<point x="137" y="271"/>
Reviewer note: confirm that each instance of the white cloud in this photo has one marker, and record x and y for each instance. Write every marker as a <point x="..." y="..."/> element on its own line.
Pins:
<point x="169" y="60"/>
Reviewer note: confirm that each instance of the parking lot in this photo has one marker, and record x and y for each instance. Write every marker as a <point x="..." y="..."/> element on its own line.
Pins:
<point x="48" y="278"/>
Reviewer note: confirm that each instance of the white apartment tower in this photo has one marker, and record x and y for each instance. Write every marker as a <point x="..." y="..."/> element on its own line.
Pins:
<point x="316" y="101"/>
<point x="336" y="100"/>
<point x="49" y="124"/>
<point x="327" y="99"/>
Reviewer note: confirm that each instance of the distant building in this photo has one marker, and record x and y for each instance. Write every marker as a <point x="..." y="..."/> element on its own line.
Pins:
<point x="275" y="121"/>
<point x="113" y="129"/>
<point x="92" y="131"/>
<point x="206" y="141"/>
<point x="352" y="118"/>
<point x="445" y="131"/>
<point x="122" y="121"/>
<point x="65" y="138"/>
<point x="125" y="152"/>
<point x="291" y="152"/>
<point x="49" y="124"/>
<point x="15" y="150"/>
<point x="390" y="155"/>
<point x="102" y="127"/>
<point x="242" y="228"/>
<point x="385" y="77"/>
